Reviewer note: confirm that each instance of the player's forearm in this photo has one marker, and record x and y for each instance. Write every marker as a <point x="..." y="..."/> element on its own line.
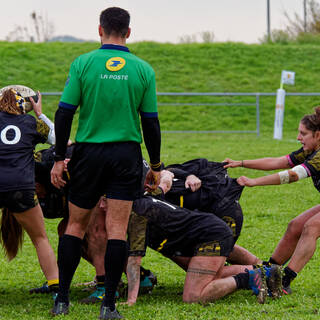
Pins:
<point x="51" y="135"/>
<point x="272" y="179"/>
<point x="152" y="140"/>
<point x="266" y="163"/>
<point x="62" y="125"/>
<point x="133" y="276"/>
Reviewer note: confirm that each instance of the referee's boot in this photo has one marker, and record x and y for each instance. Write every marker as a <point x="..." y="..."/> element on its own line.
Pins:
<point x="106" y="313"/>
<point x="60" y="308"/>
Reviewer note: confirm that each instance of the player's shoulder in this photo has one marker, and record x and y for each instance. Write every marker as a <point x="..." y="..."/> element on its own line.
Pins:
<point x="27" y="119"/>
<point x="84" y="57"/>
<point x="140" y="62"/>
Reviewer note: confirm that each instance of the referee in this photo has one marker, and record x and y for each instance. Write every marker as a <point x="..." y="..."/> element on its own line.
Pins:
<point x="112" y="87"/>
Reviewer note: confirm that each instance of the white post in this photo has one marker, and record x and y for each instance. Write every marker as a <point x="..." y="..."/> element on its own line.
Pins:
<point x="287" y="77"/>
<point x="279" y="115"/>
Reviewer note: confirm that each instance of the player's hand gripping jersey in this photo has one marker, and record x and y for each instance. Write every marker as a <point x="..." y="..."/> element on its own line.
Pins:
<point x="219" y="194"/>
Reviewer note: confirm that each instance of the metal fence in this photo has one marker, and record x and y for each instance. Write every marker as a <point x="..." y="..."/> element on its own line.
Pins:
<point x="257" y="96"/>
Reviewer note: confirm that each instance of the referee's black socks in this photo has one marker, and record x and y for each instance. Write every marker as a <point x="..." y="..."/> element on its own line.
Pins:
<point x="69" y="255"/>
<point x="114" y="262"/>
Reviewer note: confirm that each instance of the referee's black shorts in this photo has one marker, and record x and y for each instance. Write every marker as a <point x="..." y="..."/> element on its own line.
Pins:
<point x="111" y="169"/>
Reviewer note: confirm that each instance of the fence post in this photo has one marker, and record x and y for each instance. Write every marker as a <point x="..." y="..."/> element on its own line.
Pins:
<point x="258" y="113"/>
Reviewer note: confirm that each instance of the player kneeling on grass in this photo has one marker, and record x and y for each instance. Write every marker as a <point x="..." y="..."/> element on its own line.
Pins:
<point x="299" y="241"/>
<point x="204" y="185"/>
<point x="198" y="242"/>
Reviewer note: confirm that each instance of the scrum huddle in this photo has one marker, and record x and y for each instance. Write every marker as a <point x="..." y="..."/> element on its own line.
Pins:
<point x="113" y="204"/>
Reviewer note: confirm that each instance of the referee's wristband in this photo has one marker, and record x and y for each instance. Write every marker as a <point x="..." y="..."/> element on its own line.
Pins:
<point x="156" y="167"/>
<point x="57" y="157"/>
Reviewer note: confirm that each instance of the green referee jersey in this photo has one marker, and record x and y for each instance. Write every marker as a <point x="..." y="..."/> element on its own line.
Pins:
<point x="111" y="86"/>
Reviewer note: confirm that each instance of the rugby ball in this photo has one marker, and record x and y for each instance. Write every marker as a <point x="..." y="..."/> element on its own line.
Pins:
<point x="26" y="92"/>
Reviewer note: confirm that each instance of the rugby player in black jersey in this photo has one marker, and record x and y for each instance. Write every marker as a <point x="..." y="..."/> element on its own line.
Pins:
<point x="19" y="133"/>
<point x="205" y="185"/>
<point x="199" y="242"/>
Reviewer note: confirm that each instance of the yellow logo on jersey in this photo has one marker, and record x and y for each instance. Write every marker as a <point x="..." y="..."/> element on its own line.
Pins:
<point x="115" y="64"/>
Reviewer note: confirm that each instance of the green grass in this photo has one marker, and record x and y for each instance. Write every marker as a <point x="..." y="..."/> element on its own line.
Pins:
<point x="221" y="67"/>
<point x="215" y="67"/>
<point x="267" y="210"/>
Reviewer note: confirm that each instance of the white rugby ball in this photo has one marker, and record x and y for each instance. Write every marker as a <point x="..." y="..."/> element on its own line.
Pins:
<point x="26" y="92"/>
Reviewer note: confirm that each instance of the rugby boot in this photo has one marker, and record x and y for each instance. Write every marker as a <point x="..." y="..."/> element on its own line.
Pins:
<point x="43" y="289"/>
<point x="258" y="284"/>
<point x="46" y="289"/>
<point x="274" y="280"/>
<point x="60" y="308"/>
<point x="106" y="313"/>
<point x="147" y="281"/>
<point x="286" y="289"/>
<point x="96" y="296"/>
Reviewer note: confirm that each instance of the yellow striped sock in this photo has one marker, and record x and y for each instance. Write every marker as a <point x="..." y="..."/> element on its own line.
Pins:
<point x="52" y="282"/>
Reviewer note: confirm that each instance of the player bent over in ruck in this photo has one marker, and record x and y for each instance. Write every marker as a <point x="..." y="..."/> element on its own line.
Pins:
<point x="198" y="242"/>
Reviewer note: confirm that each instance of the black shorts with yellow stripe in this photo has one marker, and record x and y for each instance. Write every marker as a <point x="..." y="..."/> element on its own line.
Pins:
<point x="18" y="201"/>
<point x="175" y="231"/>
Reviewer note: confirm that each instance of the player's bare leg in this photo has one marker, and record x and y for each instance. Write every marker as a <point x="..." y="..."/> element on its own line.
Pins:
<point x="33" y="222"/>
<point x="289" y="241"/>
<point x="242" y="256"/>
<point x="96" y="237"/>
<point x="228" y="271"/>
<point x="182" y="262"/>
<point x="306" y="245"/>
<point x="203" y="281"/>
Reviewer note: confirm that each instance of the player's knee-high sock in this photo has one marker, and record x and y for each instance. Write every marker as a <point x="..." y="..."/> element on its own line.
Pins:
<point x="69" y="254"/>
<point x="114" y="262"/>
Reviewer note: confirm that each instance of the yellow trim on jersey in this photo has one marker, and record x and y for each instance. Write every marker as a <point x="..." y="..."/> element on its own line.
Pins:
<point x="162" y="244"/>
<point x="181" y="201"/>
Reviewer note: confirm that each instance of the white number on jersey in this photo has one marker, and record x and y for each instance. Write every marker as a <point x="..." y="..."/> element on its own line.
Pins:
<point x="16" y="138"/>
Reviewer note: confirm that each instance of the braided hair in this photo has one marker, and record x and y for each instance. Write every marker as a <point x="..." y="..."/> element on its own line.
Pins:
<point x="12" y="102"/>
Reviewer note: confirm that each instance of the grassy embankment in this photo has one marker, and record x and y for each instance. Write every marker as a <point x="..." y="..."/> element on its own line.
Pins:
<point x="225" y="67"/>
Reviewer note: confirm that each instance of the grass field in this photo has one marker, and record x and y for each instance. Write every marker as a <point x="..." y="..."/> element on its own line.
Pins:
<point x="225" y="67"/>
<point x="267" y="211"/>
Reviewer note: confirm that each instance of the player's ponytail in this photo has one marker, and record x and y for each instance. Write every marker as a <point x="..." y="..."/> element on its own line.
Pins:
<point x="312" y="121"/>
<point x="11" y="234"/>
<point x="11" y="102"/>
